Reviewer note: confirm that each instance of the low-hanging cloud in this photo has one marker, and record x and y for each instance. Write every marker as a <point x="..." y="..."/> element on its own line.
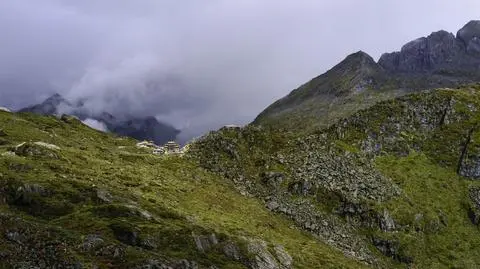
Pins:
<point x="95" y="124"/>
<point x="196" y="64"/>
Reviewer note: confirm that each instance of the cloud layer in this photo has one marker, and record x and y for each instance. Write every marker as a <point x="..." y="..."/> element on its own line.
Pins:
<point x="196" y="64"/>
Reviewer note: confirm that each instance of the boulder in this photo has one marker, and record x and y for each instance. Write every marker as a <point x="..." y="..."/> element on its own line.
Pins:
<point x="232" y="251"/>
<point x="36" y="150"/>
<point x="387" y="224"/>
<point x="205" y="242"/>
<point x="272" y="179"/>
<point x="46" y="145"/>
<point x="91" y="242"/>
<point x="474" y="210"/>
<point x="264" y="259"/>
<point x="104" y="196"/>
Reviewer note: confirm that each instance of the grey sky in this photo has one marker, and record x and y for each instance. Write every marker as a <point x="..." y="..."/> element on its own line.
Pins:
<point x="197" y="64"/>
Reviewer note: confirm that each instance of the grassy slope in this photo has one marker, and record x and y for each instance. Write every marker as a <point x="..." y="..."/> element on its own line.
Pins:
<point x="182" y="198"/>
<point x="433" y="212"/>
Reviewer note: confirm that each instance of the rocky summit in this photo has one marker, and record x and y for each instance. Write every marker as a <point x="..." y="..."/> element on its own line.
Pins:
<point x="370" y="165"/>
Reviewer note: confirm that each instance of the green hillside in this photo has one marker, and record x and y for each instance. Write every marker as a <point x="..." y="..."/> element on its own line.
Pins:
<point x="396" y="179"/>
<point x="87" y="199"/>
<point x="392" y="186"/>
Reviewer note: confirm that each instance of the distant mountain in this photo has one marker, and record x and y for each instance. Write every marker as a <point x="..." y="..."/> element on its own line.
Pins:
<point x="439" y="60"/>
<point x="141" y="128"/>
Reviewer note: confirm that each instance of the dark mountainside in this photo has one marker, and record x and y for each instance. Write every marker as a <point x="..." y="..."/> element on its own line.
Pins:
<point x="144" y="128"/>
<point x="385" y="176"/>
<point x="439" y="60"/>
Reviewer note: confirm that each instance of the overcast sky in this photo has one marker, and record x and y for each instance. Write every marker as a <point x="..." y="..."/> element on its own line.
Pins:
<point x="197" y="64"/>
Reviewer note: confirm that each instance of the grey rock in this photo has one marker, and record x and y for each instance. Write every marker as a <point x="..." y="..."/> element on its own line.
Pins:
<point x="154" y="264"/>
<point x="283" y="257"/>
<point x="264" y="259"/>
<point x="387" y="224"/>
<point x="91" y="242"/>
<point x="232" y="251"/>
<point x="439" y="51"/>
<point x="473" y="46"/>
<point x="47" y="145"/>
<point x="15" y="237"/>
<point x="104" y="196"/>
<point x="470" y="31"/>
<point x="474" y="211"/>
<point x="273" y="179"/>
<point x="205" y="242"/>
<point x="185" y="264"/>
<point x="273" y="205"/>
<point x="34" y="150"/>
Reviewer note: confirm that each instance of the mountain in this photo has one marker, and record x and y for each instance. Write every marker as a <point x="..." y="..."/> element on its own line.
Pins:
<point x="439" y="60"/>
<point x="141" y="128"/>
<point x="390" y="180"/>
<point x="392" y="186"/>
<point x="50" y="106"/>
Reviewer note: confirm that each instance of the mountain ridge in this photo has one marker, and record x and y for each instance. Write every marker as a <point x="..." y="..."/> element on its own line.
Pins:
<point x="141" y="128"/>
<point x="439" y="60"/>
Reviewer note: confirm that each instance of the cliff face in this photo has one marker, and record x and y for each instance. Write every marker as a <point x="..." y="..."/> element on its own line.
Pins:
<point x="441" y="52"/>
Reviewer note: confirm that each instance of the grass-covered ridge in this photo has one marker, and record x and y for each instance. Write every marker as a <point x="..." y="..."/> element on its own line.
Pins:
<point x="97" y="200"/>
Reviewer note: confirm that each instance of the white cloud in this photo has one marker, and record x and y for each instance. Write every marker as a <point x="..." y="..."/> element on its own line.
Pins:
<point x="95" y="124"/>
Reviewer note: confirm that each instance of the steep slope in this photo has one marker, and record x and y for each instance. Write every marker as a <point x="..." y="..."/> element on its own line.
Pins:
<point x="325" y="98"/>
<point x="74" y="197"/>
<point x="391" y="185"/>
<point x="439" y="60"/>
<point x="141" y="128"/>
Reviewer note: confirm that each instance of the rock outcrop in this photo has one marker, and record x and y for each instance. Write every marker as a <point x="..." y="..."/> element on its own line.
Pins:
<point x="441" y="53"/>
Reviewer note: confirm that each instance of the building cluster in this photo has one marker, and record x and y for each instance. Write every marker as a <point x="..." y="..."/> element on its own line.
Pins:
<point x="171" y="147"/>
